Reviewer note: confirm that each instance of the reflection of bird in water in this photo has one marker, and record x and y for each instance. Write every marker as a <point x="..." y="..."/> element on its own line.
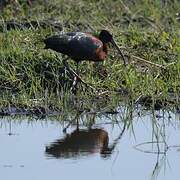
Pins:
<point x="83" y="143"/>
<point x="80" y="143"/>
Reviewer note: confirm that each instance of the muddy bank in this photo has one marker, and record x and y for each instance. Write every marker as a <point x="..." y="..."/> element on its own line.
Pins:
<point x="99" y="105"/>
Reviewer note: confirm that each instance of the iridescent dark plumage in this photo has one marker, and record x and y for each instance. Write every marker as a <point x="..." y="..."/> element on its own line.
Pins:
<point x="81" y="46"/>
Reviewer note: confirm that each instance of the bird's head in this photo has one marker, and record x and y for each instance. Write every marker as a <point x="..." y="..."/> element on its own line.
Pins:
<point x="106" y="37"/>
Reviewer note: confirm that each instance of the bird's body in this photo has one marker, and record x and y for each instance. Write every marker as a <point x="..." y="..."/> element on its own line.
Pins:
<point x="78" y="46"/>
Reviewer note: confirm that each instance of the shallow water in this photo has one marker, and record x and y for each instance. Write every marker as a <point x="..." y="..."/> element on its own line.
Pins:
<point x="38" y="149"/>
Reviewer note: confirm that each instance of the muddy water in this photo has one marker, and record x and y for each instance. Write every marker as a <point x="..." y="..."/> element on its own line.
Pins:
<point x="145" y="147"/>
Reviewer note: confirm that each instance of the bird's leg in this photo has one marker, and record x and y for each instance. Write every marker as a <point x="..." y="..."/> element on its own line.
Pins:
<point x="76" y="118"/>
<point x="66" y="65"/>
<point x="77" y="67"/>
<point x="74" y="85"/>
<point x="72" y="72"/>
<point x="75" y="81"/>
<point x="67" y="68"/>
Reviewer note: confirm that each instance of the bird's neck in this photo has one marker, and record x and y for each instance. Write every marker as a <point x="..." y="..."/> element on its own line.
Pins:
<point x="105" y="49"/>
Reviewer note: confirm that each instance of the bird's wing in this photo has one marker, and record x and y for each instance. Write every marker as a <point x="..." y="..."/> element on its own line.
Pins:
<point x="84" y="46"/>
<point x="59" y="43"/>
<point x="77" y="45"/>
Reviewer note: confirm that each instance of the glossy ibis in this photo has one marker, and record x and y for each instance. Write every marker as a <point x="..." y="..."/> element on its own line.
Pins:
<point x="81" y="46"/>
<point x="83" y="142"/>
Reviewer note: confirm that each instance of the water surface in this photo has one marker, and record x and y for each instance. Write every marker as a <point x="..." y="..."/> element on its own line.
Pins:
<point x="39" y="149"/>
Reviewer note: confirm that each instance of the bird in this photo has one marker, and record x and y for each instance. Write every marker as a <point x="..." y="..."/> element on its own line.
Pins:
<point x="81" y="46"/>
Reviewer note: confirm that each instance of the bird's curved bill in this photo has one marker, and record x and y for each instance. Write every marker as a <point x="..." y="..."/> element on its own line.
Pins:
<point x="118" y="49"/>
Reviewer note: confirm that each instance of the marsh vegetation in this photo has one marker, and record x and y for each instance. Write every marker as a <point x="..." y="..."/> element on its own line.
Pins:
<point x="119" y="109"/>
<point x="144" y="30"/>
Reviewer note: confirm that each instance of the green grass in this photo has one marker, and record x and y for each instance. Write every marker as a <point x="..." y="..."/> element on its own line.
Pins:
<point x="142" y="28"/>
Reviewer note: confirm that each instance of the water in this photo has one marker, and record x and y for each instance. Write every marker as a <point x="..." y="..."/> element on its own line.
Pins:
<point x="38" y="149"/>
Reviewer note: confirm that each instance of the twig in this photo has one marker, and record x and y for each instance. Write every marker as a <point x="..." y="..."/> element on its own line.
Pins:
<point x="148" y="62"/>
<point x="170" y="64"/>
<point x="139" y="59"/>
